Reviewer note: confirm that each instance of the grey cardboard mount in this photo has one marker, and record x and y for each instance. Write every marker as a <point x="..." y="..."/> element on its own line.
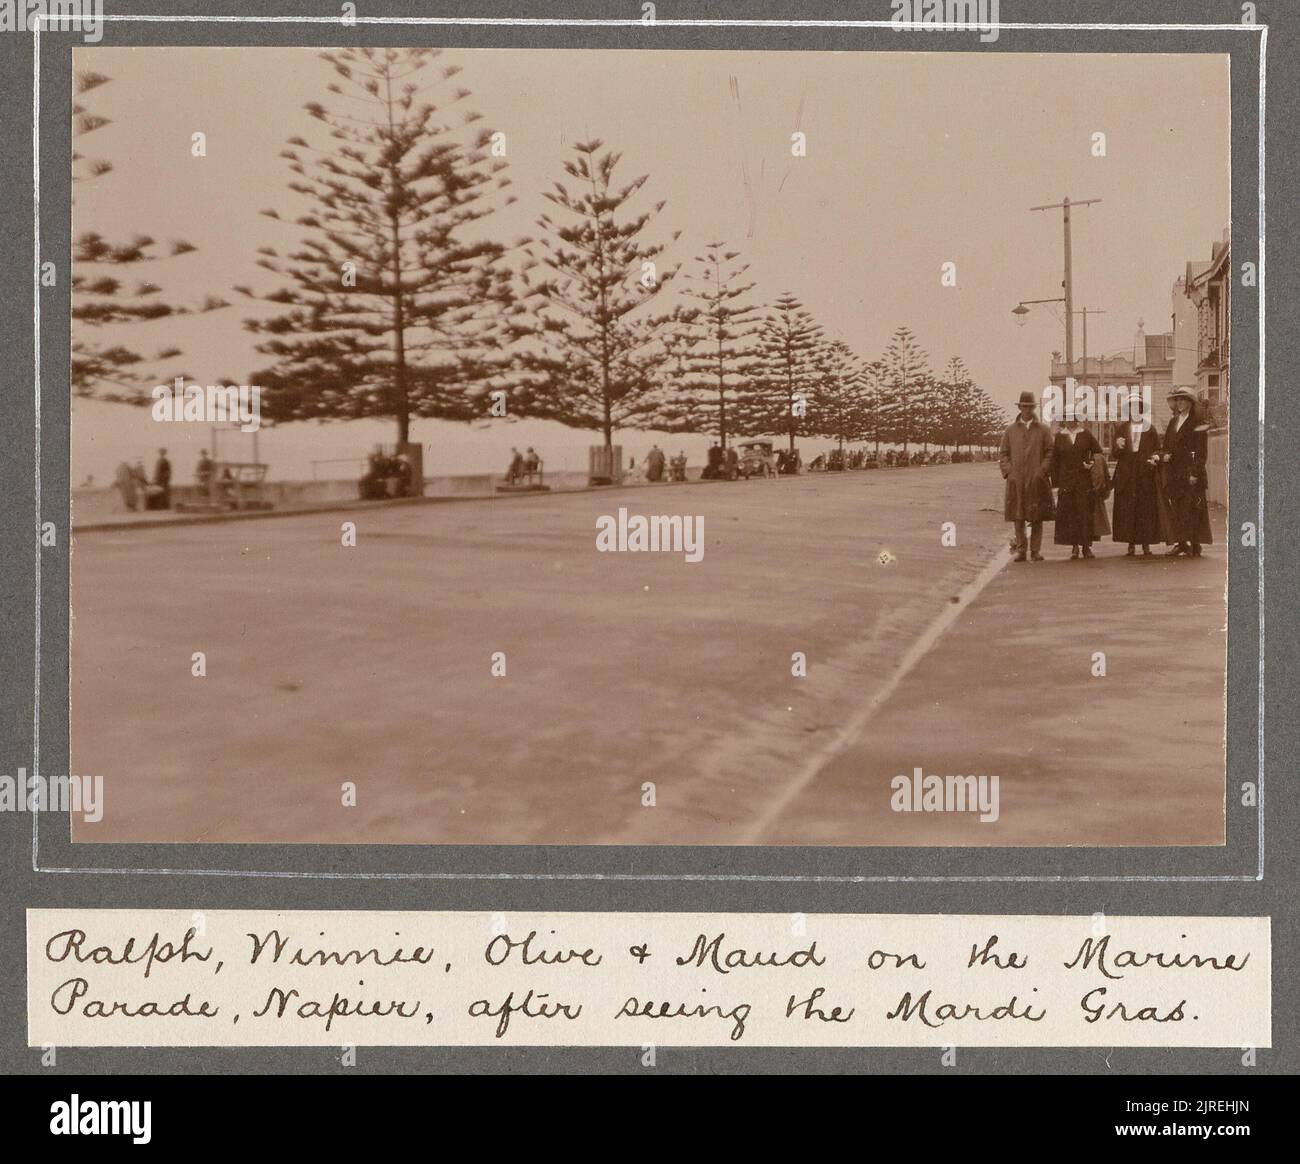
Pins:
<point x="1254" y="874"/>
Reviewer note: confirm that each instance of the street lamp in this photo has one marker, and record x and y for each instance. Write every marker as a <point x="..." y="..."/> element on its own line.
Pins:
<point x="1021" y="309"/>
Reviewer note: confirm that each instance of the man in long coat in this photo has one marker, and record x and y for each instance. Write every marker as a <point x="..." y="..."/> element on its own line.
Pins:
<point x="1072" y="458"/>
<point x="1183" y="463"/>
<point x="1026" y="458"/>
<point x="1137" y="517"/>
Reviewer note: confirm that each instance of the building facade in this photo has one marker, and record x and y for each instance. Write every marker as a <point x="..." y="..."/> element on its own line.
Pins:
<point x="1208" y="285"/>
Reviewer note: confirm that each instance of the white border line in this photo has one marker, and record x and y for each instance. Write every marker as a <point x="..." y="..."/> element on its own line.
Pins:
<point x="36" y="361"/>
<point x="1259" y="528"/>
<point x="1262" y="29"/>
<point x="636" y="22"/>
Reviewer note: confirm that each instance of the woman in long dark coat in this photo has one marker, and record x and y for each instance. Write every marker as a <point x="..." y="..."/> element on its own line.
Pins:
<point x="1137" y="518"/>
<point x="1072" y="455"/>
<point x="1183" y="464"/>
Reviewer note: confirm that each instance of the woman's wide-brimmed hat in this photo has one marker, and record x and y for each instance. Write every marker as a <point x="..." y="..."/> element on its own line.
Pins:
<point x="1181" y="394"/>
<point x="1028" y="398"/>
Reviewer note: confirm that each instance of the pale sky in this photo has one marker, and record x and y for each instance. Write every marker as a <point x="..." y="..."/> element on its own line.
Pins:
<point x="913" y="160"/>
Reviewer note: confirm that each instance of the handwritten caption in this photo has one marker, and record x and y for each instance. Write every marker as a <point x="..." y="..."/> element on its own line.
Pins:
<point x="331" y="978"/>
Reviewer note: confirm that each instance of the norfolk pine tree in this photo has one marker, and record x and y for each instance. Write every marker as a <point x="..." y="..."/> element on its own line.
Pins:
<point x="841" y="408"/>
<point x="590" y="357"/>
<point x="716" y="333"/>
<point x="396" y="308"/>
<point x="788" y="344"/>
<point x="100" y="296"/>
<point x="906" y="375"/>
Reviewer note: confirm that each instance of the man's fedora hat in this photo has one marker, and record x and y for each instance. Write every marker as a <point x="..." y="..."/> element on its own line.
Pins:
<point x="1028" y="398"/>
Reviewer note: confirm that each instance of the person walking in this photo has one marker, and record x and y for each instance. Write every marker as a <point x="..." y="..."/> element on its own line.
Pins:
<point x="205" y="470"/>
<point x="162" y="477"/>
<point x="1025" y="460"/>
<point x="125" y="481"/>
<point x="515" y="471"/>
<point x="655" y="461"/>
<point x="1182" y="459"/>
<point x="1135" y="515"/>
<point x="1072" y="457"/>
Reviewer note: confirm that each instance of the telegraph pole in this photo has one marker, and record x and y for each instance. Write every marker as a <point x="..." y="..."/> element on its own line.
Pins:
<point x="1084" y="311"/>
<point x="1064" y="207"/>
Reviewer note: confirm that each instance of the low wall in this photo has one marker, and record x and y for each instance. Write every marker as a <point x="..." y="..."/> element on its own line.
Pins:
<point x="104" y="502"/>
<point x="91" y="505"/>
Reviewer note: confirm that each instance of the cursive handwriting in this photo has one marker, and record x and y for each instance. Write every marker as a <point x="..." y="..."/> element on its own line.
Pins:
<point x="72" y="944"/>
<point x="530" y="1006"/>
<point x="709" y="952"/>
<point x="1098" y="950"/>
<point x="68" y="995"/>
<point x="945" y="1012"/>
<point x="301" y="956"/>
<point x="738" y="1015"/>
<point x="337" y="1007"/>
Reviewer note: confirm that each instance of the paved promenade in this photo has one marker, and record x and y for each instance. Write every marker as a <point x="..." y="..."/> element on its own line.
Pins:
<point x="372" y="666"/>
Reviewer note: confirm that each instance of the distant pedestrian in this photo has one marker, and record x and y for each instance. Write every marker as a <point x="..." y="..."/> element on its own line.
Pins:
<point x="516" y="470"/>
<point x="1026" y="458"/>
<point x="125" y="481"/>
<point x="204" y="471"/>
<point x="162" y="478"/>
<point x="655" y="462"/>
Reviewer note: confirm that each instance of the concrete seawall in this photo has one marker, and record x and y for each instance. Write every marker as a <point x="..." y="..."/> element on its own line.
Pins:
<point x="104" y="503"/>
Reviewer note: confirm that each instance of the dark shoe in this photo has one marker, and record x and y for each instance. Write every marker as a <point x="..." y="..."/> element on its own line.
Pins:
<point x="1146" y="552"/>
<point x="1036" y="556"/>
<point x="1074" y="552"/>
<point x="1020" y="557"/>
<point x="1131" y="551"/>
<point x="1087" y="553"/>
<point x="1196" y="550"/>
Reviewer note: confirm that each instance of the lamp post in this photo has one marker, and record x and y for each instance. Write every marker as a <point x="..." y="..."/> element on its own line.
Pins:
<point x="1068" y="282"/>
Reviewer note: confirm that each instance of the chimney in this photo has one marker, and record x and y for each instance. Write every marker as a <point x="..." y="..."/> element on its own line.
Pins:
<point x="1140" y="345"/>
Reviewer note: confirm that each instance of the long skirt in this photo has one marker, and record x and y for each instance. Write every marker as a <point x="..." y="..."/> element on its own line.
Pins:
<point x="1189" y="519"/>
<point x="1136" y="516"/>
<point x="1074" y="525"/>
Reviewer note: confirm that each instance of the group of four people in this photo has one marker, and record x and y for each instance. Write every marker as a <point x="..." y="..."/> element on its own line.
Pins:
<point x="1159" y="484"/>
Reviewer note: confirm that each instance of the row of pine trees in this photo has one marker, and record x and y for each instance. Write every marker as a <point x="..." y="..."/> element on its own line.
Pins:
<point x="393" y="301"/>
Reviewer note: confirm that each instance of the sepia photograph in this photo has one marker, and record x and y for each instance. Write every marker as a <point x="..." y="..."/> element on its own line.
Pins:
<point x="649" y="447"/>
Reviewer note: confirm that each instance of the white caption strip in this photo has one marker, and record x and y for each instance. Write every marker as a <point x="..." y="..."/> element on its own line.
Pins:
<point x="351" y="978"/>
